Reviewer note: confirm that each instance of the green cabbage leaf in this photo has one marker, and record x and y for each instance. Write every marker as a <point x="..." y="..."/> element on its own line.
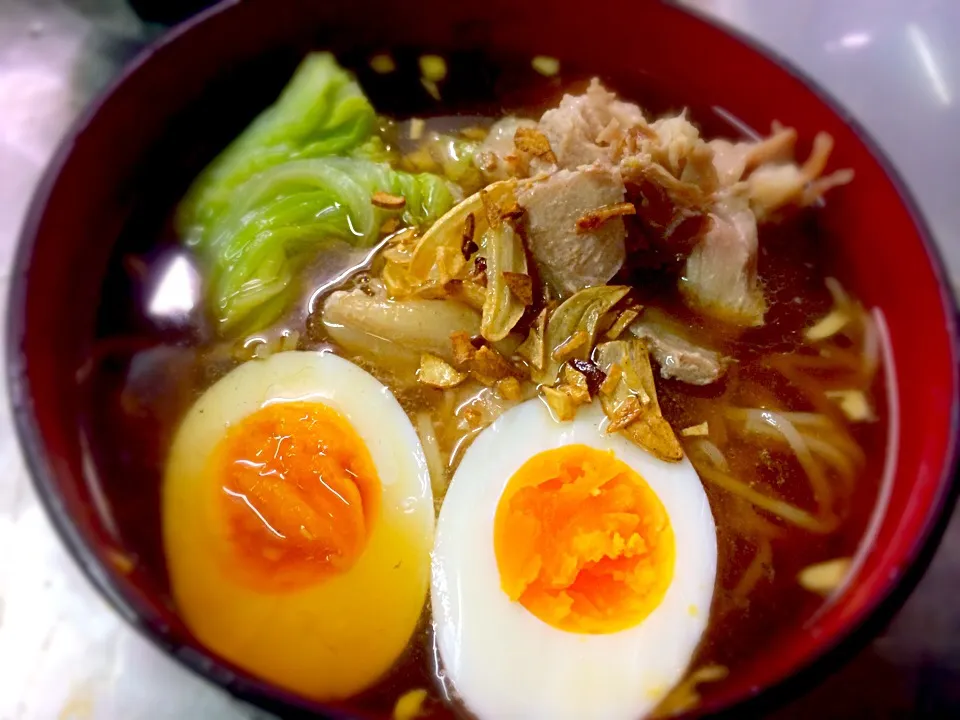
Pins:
<point x="283" y="217"/>
<point x="298" y="178"/>
<point x="322" y="111"/>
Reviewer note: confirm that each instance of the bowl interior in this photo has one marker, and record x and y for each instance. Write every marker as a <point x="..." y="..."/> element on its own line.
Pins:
<point x="132" y="156"/>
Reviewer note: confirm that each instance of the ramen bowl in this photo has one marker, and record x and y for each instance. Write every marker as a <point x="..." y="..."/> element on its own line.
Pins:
<point x="134" y="151"/>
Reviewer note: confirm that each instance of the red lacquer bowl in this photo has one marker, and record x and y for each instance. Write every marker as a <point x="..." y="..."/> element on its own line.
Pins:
<point x="183" y="92"/>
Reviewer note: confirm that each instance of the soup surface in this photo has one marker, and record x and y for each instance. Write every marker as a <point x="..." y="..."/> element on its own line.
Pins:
<point x="460" y="385"/>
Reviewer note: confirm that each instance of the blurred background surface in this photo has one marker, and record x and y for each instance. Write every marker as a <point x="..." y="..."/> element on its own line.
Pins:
<point x="65" y="655"/>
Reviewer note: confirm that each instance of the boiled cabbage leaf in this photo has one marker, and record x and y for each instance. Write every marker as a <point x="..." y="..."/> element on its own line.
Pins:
<point x="300" y="176"/>
<point x="286" y="214"/>
<point x="322" y="111"/>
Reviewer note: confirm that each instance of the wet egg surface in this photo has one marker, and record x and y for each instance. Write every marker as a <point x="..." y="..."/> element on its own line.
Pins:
<point x="295" y="499"/>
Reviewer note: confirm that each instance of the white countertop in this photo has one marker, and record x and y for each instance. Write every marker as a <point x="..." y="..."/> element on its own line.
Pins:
<point x="64" y="654"/>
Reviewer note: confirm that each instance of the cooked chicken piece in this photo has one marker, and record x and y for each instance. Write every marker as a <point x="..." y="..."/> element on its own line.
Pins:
<point x="587" y="128"/>
<point x="720" y="278"/>
<point x="671" y="153"/>
<point x="497" y="156"/>
<point x="696" y="197"/>
<point x="668" y="231"/>
<point x="775" y="186"/>
<point x="730" y="160"/>
<point x="734" y="160"/>
<point x="677" y="356"/>
<point x="773" y="179"/>
<point x="568" y="259"/>
<point x="670" y="177"/>
<point x="680" y="150"/>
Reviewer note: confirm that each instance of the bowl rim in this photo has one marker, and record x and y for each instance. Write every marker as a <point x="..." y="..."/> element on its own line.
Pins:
<point x="826" y="657"/>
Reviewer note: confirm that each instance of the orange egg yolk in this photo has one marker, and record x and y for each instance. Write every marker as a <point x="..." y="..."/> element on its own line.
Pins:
<point x="582" y="542"/>
<point x="299" y="494"/>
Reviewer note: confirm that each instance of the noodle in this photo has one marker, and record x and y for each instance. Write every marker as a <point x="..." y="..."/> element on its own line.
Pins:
<point x="714" y="453"/>
<point x="808" y="418"/>
<point x="840" y="297"/>
<point x="836" y="442"/>
<point x="753" y="394"/>
<point x="822" y="491"/>
<point x="431" y="450"/>
<point x="775" y="506"/>
<point x="834" y="457"/>
<point x="751" y="519"/>
<point x="808" y="387"/>
<point x="461" y="445"/>
<point x="755" y="571"/>
<point x="720" y="476"/>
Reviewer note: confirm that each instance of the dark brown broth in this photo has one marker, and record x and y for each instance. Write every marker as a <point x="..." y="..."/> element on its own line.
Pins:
<point x="145" y="372"/>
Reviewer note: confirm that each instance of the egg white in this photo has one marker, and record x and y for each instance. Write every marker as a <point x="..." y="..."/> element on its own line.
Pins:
<point x="502" y="660"/>
<point x="332" y="639"/>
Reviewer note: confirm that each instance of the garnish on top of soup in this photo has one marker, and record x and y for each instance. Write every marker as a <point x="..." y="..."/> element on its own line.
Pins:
<point x="518" y="416"/>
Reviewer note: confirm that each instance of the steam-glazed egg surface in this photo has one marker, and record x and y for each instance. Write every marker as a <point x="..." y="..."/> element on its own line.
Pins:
<point x="573" y="573"/>
<point x="297" y="521"/>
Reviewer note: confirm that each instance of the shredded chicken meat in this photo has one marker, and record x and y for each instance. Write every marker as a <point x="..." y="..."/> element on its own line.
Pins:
<point x="699" y="201"/>
<point x="734" y="160"/>
<point x="774" y="186"/>
<point x="586" y="129"/>
<point x="672" y="146"/>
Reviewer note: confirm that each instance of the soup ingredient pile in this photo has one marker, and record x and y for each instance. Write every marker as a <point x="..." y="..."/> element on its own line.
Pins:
<point x="494" y="367"/>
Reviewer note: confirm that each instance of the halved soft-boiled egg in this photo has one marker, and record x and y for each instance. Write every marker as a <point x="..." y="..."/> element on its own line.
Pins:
<point x="573" y="572"/>
<point x="298" y="521"/>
